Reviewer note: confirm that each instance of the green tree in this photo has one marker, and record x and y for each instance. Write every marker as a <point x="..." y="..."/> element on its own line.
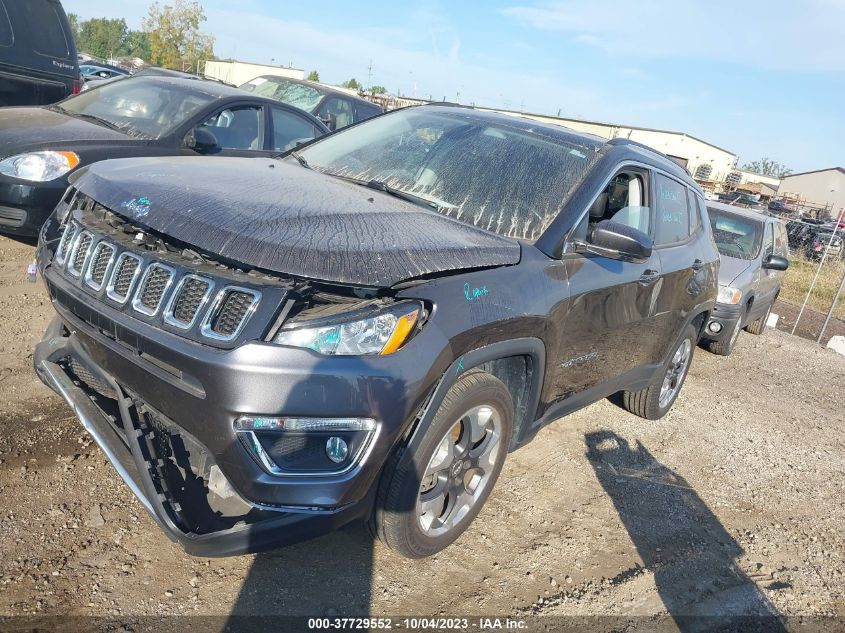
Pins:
<point x="137" y="45"/>
<point x="174" y="34"/>
<point x="767" y="167"/>
<point x="378" y="90"/>
<point x="313" y="76"/>
<point x="352" y="84"/>
<point x="102" y="37"/>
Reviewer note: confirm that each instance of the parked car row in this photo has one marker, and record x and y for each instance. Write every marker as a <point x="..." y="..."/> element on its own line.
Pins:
<point x="813" y="238"/>
<point x="271" y="330"/>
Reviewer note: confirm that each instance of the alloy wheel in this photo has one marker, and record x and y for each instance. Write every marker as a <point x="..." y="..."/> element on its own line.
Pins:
<point x="675" y="373"/>
<point x="459" y="471"/>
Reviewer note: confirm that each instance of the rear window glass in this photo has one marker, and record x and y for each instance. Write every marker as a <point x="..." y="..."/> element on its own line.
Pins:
<point x="672" y="222"/>
<point x="45" y="23"/>
<point x="6" y="38"/>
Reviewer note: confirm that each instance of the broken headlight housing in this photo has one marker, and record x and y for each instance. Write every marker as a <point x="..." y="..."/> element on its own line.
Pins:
<point x="355" y="334"/>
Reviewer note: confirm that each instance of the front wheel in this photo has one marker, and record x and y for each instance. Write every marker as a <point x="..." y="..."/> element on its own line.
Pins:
<point x="653" y="402"/>
<point x="429" y="497"/>
<point x="759" y="325"/>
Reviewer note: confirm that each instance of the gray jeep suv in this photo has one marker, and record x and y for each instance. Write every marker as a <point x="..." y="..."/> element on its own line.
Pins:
<point x="267" y="349"/>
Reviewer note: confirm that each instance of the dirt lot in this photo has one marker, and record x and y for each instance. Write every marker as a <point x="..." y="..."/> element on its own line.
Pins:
<point x="731" y="504"/>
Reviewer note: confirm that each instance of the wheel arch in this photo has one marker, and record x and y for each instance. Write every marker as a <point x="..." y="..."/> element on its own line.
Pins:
<point x="519" y="363"/>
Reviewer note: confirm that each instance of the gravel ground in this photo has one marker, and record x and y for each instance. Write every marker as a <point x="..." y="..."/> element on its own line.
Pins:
<point x="731" y="504"/>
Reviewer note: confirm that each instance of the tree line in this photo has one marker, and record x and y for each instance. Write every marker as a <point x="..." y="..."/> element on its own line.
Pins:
<point x="170" y="36"/>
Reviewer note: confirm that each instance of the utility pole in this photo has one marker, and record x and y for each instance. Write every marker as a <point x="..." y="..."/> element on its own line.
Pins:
<point x="370" y="77"/>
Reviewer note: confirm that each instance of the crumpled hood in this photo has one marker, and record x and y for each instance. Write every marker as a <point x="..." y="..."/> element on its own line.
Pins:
<point x="29" y="129"/>
<point x="730" y="268"/>
<point x="281" y="217"/>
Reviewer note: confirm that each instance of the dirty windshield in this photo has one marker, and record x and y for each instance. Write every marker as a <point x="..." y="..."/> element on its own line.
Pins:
<point x="148" y="107"/>
<point x="477" y="170"/>
<point x="299" y="95"/>
<point x="735" y="235"/>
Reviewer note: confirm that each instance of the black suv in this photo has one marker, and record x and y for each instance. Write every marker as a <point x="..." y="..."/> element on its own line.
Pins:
<point x="38" y="63"/>
<point x="266" y="349"/>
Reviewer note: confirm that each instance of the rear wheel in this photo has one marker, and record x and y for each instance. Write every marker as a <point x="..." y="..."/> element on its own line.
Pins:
<point x="428" y="498"/>
<point x="654" y="401"/>
<point x="759" y="326"/>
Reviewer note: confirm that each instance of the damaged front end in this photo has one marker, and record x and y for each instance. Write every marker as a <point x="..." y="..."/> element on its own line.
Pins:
<point x="245" y="409"/>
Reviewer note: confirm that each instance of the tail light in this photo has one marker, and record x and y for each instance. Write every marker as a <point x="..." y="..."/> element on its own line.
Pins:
<point x="76" y="86"/>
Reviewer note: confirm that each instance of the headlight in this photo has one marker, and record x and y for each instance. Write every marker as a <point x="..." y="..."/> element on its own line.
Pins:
<point x="729" y="294"/>
<point x="39" y="166"/>
<point x="381" y="333"/>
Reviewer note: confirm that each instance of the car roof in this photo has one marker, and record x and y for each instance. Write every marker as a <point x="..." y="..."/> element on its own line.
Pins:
<point x="322" y="88"/>
<point x="628" y="148"/>
<point x="211" y="88"/>
<point x="742" y="211"/>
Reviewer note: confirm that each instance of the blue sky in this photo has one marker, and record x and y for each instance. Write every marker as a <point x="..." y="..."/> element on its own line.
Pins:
<point x="757" y="78"/>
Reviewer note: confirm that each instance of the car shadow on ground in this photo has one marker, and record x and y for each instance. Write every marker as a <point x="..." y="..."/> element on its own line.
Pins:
<point x="680" y="540"/>
<point x="330" y="576"/>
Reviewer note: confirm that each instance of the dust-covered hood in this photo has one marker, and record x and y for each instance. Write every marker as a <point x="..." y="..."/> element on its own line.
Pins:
<point x="282" y="217"/>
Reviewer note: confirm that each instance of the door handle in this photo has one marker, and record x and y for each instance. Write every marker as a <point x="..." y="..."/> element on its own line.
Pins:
<point x="649" y="277"/>
<point x="697" y="265"/>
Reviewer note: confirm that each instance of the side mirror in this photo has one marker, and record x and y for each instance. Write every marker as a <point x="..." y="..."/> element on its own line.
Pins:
<point x="775" y="262"/>
<point x="619" y="241"/>
<point x="202" y="141"/>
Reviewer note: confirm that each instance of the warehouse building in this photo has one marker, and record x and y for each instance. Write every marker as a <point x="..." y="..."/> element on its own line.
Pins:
<point x="709" y="164"/>
<point x="237" y="73"/>
<point x="822" y="188"/>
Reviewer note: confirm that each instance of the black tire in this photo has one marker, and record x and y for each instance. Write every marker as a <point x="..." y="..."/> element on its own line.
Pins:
<point x="725" y="345"/>
<point x="646" y="403"/>
<point x="395" y="520"/>
<point x="758" y="326"/>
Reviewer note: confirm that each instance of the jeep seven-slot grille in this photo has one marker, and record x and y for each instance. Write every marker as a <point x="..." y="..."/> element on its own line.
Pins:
<point x="189" y="299"/>
<point x="124" y="275"/>
<point x="167" y="290"/>
<point x="80" y="253"/>
<point x="153" y="287"/>
<point x="233" y="310"/>
<point x="100" y="261"/>
<point x="67" y="240"/>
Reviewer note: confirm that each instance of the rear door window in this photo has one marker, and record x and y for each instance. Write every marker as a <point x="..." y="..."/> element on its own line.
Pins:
<point x="46" y="25"/>
<point x="672" y="216"/>
<point x="6" y="36"/>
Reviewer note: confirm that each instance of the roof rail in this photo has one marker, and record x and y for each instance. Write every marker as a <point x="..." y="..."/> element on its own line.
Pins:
<point x="619" y="140"/>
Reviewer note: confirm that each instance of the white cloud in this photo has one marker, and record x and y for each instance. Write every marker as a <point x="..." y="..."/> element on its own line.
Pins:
<point x="779" y="35"/>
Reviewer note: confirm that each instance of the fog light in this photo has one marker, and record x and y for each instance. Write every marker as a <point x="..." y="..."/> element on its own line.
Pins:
<point x="336" y="449"/>
<point x="714" y="327"/>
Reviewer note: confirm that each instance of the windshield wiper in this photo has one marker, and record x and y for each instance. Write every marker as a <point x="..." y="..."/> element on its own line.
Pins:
<point x="301" y="160"/>
<point x="378" y="185"/>
<point x="99" y="121"/>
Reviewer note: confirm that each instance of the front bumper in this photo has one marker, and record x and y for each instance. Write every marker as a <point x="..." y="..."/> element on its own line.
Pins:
<point x="264" y="528"/>
<point x="25" y="206"/>
<point x="200" y="391"/>
<point x="726" y="315"/>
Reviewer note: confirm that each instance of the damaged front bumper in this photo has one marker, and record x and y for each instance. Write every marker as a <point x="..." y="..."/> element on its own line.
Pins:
<point x="132" y="452"/>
